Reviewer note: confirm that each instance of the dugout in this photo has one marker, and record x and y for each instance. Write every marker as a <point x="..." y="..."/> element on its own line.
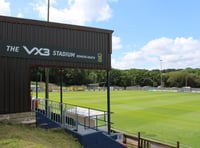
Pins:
<point x="26" y="44"/>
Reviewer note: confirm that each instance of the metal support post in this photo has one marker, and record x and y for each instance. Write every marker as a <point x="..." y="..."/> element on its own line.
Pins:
<point x="46" y="88"/>
<point x="36" y="89"/>
<point x="61" y="95"/>
<point x="108" y="101"/>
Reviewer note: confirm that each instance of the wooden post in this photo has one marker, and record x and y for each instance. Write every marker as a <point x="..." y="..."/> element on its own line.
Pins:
<point x="124" y="139"/>
<point x="177" y="144"/>
<point x="139" y="140"/>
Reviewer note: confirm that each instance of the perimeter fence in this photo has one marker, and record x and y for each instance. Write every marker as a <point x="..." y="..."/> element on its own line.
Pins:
<point x="169" y="89"/>
<point x="137" y="140"/>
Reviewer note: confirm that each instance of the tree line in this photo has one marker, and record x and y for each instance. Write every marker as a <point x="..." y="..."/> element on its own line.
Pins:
<point x="124" y="78"/>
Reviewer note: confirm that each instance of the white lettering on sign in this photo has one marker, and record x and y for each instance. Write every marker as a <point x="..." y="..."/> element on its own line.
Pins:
<point x="12" y="48"/>
<point x="86" y="57"/>
<point x="37" y="51"/>
<point x="31" y="51"/>
<point x="63" y="54"/>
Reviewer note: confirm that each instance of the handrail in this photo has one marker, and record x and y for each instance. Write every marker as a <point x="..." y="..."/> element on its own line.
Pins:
<point x="69" y="115"/>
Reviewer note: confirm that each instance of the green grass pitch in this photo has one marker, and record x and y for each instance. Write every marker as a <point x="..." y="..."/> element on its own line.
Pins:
<point x="166" y="116"/>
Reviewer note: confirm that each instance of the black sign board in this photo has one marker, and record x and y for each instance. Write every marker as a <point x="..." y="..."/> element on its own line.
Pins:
<point x="27" y="50"/>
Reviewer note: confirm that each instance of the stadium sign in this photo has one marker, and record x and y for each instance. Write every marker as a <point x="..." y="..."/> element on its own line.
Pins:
<point x="23" y="50"/>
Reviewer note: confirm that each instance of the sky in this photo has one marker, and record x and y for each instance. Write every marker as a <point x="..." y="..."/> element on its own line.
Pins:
<point x="148" y="34"/>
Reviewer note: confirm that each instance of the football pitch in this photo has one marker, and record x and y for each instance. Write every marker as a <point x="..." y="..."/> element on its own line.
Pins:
<point x="166" y="116"/>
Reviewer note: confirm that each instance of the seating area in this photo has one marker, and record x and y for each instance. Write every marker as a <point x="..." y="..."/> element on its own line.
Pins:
<point x="88" y="125"/>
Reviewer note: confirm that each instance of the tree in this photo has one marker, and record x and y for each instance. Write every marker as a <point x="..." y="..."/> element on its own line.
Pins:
<point x="124" y="78"/>
<point x="92" y="77"/>
<point x="115" y="77"/>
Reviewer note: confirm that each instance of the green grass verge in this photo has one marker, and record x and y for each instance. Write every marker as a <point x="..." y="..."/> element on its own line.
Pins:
<point x="19" y="136"/>
<point x="167" y="116"/>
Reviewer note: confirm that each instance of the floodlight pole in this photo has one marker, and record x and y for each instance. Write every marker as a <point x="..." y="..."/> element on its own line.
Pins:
<point x="160" y="72"/>
<point x="47" y="71"/>
<point x="108" y="101"/>
<point x="48" y="10"/>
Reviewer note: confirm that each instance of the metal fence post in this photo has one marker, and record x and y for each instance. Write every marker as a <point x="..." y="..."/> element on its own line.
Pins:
<point x="76" y="118"/>
<point x="88" y="117"/>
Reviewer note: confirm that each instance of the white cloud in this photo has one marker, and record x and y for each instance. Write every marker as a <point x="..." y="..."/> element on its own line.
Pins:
<point x="19" y="15"/>
<point x="4" y="7"/>
<point x="175" y="53"/>
<point x="116" y="42"/>
<point x="76" y="11"/>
